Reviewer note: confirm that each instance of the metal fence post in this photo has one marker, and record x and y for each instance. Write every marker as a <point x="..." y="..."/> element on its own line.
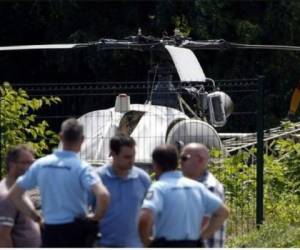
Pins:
<point x="260" y="154"/>
<point x="1" y="143"/>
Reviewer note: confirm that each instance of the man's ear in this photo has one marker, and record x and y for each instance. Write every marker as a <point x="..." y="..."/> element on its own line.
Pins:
<point x="81" y="139"/>
<point x="156" y="168"/>
<point x="12" y="166"/>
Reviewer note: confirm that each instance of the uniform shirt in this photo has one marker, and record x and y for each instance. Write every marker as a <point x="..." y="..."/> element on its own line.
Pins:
<point x="218" y="238"/>
<point x="119" y="225"/>
<point x="179" y="205"/>
<point x="25" y="232"/>
<point x="64" y="181"/>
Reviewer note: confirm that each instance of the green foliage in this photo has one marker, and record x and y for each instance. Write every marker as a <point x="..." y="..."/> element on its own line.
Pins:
<point x="273" y="234"/>
<point x="254" y="22"/>
<point x="238" y="175"/>
<point x="182" y="24"/>
<point x="281" y="185"/>
<point x="289" y="154"/>
<point x="247" y="31"/>
<point x="19" y="124"/>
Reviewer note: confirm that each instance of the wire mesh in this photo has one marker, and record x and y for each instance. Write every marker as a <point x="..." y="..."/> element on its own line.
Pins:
<point x="172" y="115"/>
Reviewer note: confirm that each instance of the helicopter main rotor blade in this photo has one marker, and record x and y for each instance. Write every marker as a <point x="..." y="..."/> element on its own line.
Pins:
<point x="265" y="47"/>
<point x="104" y="44"/>
<point x="149" y="43"/>
<point x="223" y="45"/>
<point x="43" y="47"/>
<point x="110" y="44"/>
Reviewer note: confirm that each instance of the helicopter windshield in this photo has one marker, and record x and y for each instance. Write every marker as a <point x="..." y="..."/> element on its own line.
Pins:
<point x="187" y="64"/>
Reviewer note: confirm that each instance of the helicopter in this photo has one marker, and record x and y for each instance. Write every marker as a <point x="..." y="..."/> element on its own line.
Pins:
<point x="162" y="118"/>
<point x="166" y="116"/>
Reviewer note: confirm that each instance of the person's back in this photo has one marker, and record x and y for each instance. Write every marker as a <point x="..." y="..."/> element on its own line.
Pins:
<point x="184" y="203"/>
<point x="64" y="182"/>
<point x="59" y="177"/>
<point x="194" y="164"/>
<point x="176" y="205"/>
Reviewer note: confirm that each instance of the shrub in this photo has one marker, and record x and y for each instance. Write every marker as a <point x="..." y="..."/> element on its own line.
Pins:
<point x="281" y="186"/>
<point x="272" y="234"/>
<point x="18" y="121"/>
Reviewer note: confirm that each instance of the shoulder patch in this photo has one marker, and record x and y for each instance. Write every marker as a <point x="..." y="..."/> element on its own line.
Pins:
<point x="149" y="195"/>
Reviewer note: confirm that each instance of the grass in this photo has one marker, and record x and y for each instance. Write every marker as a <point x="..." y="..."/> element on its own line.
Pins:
<point x="270" y="235"/>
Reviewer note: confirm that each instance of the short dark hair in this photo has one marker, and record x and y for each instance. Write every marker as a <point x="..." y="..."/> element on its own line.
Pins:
<point x="119" y="141"/>
<point x="166" y="157"/>
<point x="71" y="130"/>
<point x="13" y="153"/>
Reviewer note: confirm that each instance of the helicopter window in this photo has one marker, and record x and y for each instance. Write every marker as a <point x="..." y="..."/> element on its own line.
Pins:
<point x="216" y="102"/>
<point x="129" y="121"/>
<point x="216" y="110"/>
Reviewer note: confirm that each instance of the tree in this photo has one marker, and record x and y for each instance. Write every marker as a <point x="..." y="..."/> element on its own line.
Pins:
<point x="19" y="124"/>
<point x="261" y="22"/>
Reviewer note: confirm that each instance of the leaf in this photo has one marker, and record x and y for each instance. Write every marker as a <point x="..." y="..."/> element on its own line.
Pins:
<point x="18" y="121"/>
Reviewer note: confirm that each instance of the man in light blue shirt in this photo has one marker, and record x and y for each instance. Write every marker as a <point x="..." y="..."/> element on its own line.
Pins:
<point x="64" y="182"/>
<point x="176" y="205"/>
<point x="194" y="163"/>
<point x="128" y="186"/>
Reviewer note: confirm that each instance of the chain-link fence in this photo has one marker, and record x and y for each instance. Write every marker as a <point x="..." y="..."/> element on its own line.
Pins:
<point x="171" y="112"/>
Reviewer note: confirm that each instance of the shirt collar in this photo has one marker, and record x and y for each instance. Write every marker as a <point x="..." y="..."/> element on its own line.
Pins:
<point x="204" y="176"/>
<point x="171" y="174"/>
<point x="132" y="174"/>
<point x="66" y="153"/>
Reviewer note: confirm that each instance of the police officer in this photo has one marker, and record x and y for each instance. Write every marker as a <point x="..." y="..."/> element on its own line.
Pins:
<point x="175" y="205"/>
<point x="194" y="161"/>
<point x="64" y="181"/>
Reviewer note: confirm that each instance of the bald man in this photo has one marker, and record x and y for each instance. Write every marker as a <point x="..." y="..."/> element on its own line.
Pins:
<point x="194" y="160"/>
